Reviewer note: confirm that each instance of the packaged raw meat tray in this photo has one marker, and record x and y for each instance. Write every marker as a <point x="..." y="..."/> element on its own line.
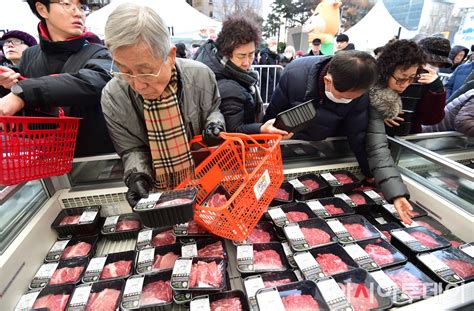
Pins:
<point x="55" y="298"/>
<point x="364" y="204"/>
<point x="297" y="296"/>
<point x="291" y="212"/>
<point x="308" y="234"/>
<point x="262" y="233"/>
<point x="157" y="258"/>
<point x="148" y="292"/>
<point x="353" y="228"/>
<point x="415" y="240"/>
<point x="431" y="224"/>
<point x="386" y="228"/>
<point x="330" y="207"/>
<point x="104" y="296"/>
<point x="309" y="186"/>
<point x="332" y="259"/>
<point x="340" y="181"/>
<point x="213" y="247"/>
<point x="122" y="227"/>
<point x="199" y="274"/>
<point x="76" y="221"/>
<point x="262" y="257"/>
<point x="155" y="237"/>
<point x="59" y="273"/>
<point x="234" y="300"/>
<point x="417" y="210"/>
<point x="190" y="229"/>
<point x="217" y="197"/>
<point x="362" y="291"/>
<point x="383" y="253"/>
<point x="167" y="208"/>
<point x="284" y="195"/>
<point x="76" y="247"/>
<point x="449" y="266"/>
<point x="412" y="281"/>
<point x="111" y="266"/>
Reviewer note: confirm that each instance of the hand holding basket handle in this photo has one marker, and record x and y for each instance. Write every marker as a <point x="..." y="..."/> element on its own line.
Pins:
<point x="139" y="185"/>
<point x="210" y="135"/>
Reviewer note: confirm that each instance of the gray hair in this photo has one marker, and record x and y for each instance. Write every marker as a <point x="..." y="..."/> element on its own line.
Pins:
<point x="131" y="23"/>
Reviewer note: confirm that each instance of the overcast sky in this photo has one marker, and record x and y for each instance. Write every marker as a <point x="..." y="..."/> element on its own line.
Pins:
<point x="266" y="7"/>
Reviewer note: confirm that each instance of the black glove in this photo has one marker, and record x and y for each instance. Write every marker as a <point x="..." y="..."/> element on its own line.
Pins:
<point x="139" y="185"/>
<point x="210" y="135"/>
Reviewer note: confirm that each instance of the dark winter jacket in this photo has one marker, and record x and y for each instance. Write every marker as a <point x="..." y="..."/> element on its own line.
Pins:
<point x="452" y="54"/>
<point x="241" y="104"/>
<point x="302" y="80"/>
<point x="458" y="77"/>
<point x="459" y="116"/>
<point x="69" y="74"/>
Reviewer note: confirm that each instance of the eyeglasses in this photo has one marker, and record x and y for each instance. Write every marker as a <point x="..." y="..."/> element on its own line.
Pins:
<point x="410" y="80"/>
<point x="142" y="77"/>
<point x="13" y="42"/>
<point x="69" y="6"/>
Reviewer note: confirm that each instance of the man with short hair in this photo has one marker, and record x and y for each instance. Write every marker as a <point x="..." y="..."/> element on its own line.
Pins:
<point x="342" y="43"/>
<point x="64" y="70"/>
<point x="156" y="103"/>
<point x="315" y="48"/>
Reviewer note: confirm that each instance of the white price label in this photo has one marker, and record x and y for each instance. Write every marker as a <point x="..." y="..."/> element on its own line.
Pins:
<point x="183" y="266"/>
<point x="200" y="304"/>
<point x="276" y="213"/>
<point x="433" y="262"/>
<point x="305" y="260"/>
<point x="403" y="236"/>
<point x="144" y="236"/>
<point x="146" y="255"/>
<point x="336" y="225"/>
<point x="96" y="264"/>
<point x="46" y="271"/>
<point x="59" y="246"/>
<point x="293" y="232"/>
<point x="111" y="221"/>
<point x="152" y="198"/>
<point x="297" y="183"/>
<point x="330" y="290"/>
<point x="413" y="224"/>
<point x="262" y="184"/>
<point x="189" y="250"/>
<point x="390" y="208"/>
<point x="81" y="295"/>
<point x="315" y="206"/>
<point x="381" y="220"/>
<point x="383" y="280"/>
<point x="373" y="195"/>
<point x="468" y="250"/>
<point x="253" y="284"/>
<point x="270" y="300"/>
<point x="343" y="196"/>
<point x="244" y="251"/>
<point x="329" y="177"/>
<point x="27" y="300"/>
<point x="355" y="251"/>
<point x="134" y="285"/>
<point x="286" y="249"/>
<point x="88" y="216"/>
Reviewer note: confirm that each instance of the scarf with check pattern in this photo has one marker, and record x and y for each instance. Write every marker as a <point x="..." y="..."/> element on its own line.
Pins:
<point x="170" y="152"/>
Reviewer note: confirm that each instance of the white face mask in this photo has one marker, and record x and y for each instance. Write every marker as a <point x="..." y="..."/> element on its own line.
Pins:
<point x="288" y="55"/>
<point x="273" y="48"/>
<point x="337" y="100"/>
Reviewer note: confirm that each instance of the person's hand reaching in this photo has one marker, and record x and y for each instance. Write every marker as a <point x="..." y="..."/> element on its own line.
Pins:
<point x="269" y="128"/>
<point x="139" y="185"/>
<point x="404" y="209"/>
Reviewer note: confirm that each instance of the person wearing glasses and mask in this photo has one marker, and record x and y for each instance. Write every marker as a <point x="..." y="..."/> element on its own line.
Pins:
<point x="156" y="102"/>
<point x="230" y="58"/>
<point x="64" y="70"/>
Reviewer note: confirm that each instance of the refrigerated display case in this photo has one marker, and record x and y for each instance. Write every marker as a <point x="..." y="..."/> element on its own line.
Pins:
<point x="98" y="181"/>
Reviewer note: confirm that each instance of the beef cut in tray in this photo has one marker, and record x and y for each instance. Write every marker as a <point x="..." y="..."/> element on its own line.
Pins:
<point x="105" y="300"/>
<point x="116" y="269"/>
<point x="52" y="302"/>
<point x="156" y="293"/>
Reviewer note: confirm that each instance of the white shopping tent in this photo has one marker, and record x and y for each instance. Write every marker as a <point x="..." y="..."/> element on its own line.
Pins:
<point x="183" y="20"/>
<point x="16" y="15"/>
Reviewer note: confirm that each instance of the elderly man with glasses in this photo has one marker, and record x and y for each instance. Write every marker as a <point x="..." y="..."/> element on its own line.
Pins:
<point x="156" y="103"/>
<point x="65" y="70"/>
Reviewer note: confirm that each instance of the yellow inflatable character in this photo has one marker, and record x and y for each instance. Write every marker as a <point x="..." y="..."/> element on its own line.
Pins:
<point x="324" y="24"/>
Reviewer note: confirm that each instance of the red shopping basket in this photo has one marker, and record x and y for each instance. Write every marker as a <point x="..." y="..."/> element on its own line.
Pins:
<point x="250" y="169"/>
<point x="36" y="147"/>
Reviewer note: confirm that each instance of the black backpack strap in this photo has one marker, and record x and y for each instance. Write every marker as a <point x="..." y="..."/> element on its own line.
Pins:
<point x="76" y="61"/>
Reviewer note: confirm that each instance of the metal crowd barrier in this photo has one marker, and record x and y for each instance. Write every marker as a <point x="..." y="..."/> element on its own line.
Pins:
<point x="268" y="80"/>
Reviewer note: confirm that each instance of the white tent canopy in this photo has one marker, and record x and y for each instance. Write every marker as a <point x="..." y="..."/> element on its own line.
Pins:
<point x="16" y="15"/>
<point x="182" y="19"/>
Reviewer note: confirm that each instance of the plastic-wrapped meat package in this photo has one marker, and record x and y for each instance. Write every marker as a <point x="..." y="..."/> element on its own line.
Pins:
<point x="70" y="220"/>
<point x="410" y="284"/>
<point x="205" y="274"/>
<point x="194" y="228"/>
<point x="53" y="302"/>
<point x="127" y="224"/>
<point x="258" y="235"/>
<point x="296" y="216"/>
<point x="297" y="302"/>
<point x="333" y="209"/>
<point x="462" y="268"/>
<point x="429" y="227"/>
<point x="80" y="249"/>
<point x="165" y="262"/>
<point x="357" y="198"/>
<point x="282" y="194"/>
<point x="331" y="264"/>
<point x="164" y="238"/>
<point x="424" y="239"/>
<point x="315" y="236"/>
<point x="273" y="283"/>
<point x="217" y="200"/>
<point x="359" y="296"/>
<point x="66" y="275"/>
<point x="226" y="304"/>
<point x="212" y="250"/>
<point x="310" y="184"/>
<point x="387" y="235"/>
<point x="156" y="292"/>
<point x="266" y="260"/>
<point x="358" y="231"/>
<point x="379" y="254"/>
<point x="105" y="300"/>
<point x="174" y="202"/>
<point x="343" y="178"/>
<point x="116" y="269"/>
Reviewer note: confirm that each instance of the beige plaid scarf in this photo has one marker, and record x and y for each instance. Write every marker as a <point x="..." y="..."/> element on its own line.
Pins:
<point x="169" y="145"/>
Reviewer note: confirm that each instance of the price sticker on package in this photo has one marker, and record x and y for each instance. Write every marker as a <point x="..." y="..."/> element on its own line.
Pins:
<point x="245" y="257"/>
<point x="391" y="209"/>
<point x="374" y="195"/>
<point x="289" y="253"/>
<point x="439" y="267"/>
<point x="346" y="198"/>
<point x="333" y="295"/>
<point x="341" y="232"/>
<point x="309" y="266"/>
<point x="278" y="216"/>
<point x="80" y="297"/>
<point x="200" y="304"/>
<point x="145" y="261"/>
<point x="110" y="223"/>
<point x="181" y="272"/>
<point x="26" y="301"/>
<point x="43" y="275"/>
<point x="88" y="216"/>
<point x="269" y="299"/>
<point x="318" y="208"/>
<point x="56" y="250"/>
<point x="132" y="292"/>
<point x="468" y="249"/>
<point x="408" y="239"/>
<point x="360" y="256"/>
<point x="296" y="237"/>
<point x="296" y="183"/>
<point x="144" y="238"/>
<point x="331" y="179"/>
<point x="148" y="203"/>
<point x="189" y="250"/>
<point x="95" y="267"/>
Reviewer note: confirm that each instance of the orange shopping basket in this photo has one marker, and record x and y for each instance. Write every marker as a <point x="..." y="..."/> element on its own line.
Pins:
<point x="250" y="169"/>
<point x="36" y="147"/>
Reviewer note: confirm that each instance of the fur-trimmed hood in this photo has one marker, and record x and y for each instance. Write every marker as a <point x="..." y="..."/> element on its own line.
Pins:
<point x="386" y="101"/>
